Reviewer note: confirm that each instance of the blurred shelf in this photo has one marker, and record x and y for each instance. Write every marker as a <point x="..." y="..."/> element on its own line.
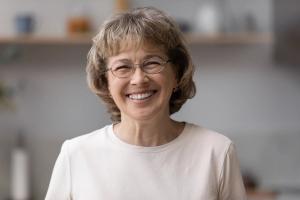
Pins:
<point x="230" y="39"/>
<point x="191" y="38"/>
<point x="48" y="40"/>
<point x="261" y="195"/>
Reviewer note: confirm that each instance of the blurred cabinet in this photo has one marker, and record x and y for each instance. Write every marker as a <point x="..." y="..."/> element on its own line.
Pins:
<point x="287" y="31"/>
<point x="261" y="195"/>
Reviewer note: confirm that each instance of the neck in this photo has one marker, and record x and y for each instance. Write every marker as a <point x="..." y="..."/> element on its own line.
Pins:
<point x="149" y="132"/>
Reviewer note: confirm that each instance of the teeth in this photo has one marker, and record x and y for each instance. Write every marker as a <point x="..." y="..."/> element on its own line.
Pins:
<point x="140" y="96"/>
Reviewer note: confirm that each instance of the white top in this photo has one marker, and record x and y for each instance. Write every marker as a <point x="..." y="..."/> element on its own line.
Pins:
<point x="198" y="165"/>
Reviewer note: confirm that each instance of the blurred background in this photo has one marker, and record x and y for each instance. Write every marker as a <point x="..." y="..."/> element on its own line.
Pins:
<point x="247" y="74"/>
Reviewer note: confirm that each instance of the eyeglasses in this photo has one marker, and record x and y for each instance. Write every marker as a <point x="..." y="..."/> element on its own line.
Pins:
<point x="150" y="66"/>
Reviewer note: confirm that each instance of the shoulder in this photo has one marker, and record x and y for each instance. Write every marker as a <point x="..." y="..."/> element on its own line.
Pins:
<point x="87" y="141"/>
<point x="207" y="136"/>
<point x="215" y="148"/>
<point x="207" y="141"/>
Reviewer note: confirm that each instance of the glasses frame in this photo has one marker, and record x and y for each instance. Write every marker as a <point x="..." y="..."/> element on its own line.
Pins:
<point x="139" y="65"/>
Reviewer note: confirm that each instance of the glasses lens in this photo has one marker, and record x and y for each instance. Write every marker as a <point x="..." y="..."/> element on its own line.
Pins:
<point x="122" y="71"/>
<point x="153" y="65"/>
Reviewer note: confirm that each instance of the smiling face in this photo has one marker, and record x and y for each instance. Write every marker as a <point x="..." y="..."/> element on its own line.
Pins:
<point x="141" y="96"/>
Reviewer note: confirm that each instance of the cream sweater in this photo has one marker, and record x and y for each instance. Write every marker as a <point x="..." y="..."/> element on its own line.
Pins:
<point x="198" y="165"/>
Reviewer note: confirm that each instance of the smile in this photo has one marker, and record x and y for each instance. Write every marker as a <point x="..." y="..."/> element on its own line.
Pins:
<point x="141" y="96"/>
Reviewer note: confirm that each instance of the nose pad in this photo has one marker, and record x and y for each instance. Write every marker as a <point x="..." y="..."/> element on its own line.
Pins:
<point x="138" y="76"/>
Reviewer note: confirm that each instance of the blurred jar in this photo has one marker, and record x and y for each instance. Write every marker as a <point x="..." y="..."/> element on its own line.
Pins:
<point x="208" y="18"/>
<point x="121" y="5"/>
<point x="24" y="24"/>
<point x="20" y="177"/>
<point x="78" y="21"/>
<point x="77" y="25"/>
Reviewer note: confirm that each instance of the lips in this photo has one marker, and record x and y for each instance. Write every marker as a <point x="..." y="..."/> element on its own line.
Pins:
<point x="141" y="95"/>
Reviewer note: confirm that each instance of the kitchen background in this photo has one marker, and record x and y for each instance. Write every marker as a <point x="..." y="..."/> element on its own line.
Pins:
<point x="246" y="89"/>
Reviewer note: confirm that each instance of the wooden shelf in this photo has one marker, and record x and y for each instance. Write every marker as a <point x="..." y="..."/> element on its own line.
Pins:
<point x="48" y="40"/>
<point x="261" y="195"/>
<point x="191" y="38"/>
<point x="230" y="39"/>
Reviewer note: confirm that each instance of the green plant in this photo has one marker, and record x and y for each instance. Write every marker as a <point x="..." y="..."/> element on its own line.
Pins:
<point x="5" y="96"/>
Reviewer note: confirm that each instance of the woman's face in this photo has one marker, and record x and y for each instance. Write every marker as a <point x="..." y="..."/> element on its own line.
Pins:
<point x="141" y="96"/>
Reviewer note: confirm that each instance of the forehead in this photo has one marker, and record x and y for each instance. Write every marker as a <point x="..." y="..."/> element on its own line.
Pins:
<point x="145" y="45"/>
<point x="135" y="50"/>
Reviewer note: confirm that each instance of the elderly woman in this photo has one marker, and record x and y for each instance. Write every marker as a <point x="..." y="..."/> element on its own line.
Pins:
<point x="140" y="67"/>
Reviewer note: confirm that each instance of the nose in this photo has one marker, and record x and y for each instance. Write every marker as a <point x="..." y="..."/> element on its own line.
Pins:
<point x="138" y="77"/>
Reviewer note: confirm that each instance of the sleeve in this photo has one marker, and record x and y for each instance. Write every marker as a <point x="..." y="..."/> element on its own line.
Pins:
<point x="231" y="185"/>
<point x="60" y="183"/>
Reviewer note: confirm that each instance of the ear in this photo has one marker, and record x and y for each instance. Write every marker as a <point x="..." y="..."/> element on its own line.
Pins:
<point x="175" y="88"/>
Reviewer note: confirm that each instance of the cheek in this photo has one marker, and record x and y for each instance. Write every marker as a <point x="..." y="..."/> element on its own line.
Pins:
<point x="114" y="86"/>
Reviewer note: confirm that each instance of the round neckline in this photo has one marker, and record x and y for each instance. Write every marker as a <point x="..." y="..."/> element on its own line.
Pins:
<point x="144" y="149"/>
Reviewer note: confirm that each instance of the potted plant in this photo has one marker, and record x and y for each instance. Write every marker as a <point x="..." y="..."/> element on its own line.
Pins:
<point x="5" y="97"/>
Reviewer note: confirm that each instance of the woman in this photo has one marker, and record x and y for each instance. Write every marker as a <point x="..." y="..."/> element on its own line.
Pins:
<point x="140" y="67"/>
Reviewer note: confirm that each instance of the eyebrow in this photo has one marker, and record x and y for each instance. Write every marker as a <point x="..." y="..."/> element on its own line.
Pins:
<point x="144" y="58"/>
<point x="152" y="56"/>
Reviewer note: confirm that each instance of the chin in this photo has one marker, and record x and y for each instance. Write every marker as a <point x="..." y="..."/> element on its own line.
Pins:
<point x="143" y="115"/>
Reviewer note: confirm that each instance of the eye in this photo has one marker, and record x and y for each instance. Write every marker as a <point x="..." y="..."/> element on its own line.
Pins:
<point x="151" y="64"/>
<point x="121" y="68"/>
